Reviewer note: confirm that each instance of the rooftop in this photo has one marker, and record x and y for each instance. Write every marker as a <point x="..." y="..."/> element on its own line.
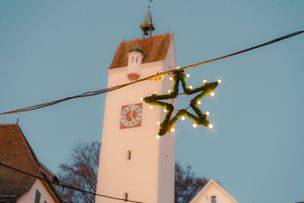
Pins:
<point x="154" y="48"/>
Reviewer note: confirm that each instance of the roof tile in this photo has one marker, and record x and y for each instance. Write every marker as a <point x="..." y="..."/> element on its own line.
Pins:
<point x="155" y="48"/>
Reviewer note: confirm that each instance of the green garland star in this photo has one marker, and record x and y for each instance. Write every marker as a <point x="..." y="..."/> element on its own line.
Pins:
<point x="199" y="119"/>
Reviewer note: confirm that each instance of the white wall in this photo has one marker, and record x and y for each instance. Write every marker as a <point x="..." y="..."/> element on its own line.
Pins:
<point x="152" y="163"/>
<point x="29" y="197"/>
<point x="213" y="190"/>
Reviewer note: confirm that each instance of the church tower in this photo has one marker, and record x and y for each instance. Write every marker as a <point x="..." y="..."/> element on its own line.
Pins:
<point x="134" y="163"/>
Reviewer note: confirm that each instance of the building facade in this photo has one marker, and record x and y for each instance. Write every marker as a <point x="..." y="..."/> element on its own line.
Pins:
<point x="212" y="192"/>
<point x="134" y="164"/>
<point x="16" y="187"/>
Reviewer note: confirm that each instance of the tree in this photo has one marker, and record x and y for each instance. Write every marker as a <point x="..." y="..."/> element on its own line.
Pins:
<point x="81" y="172"/>
<point x="187" y="184"/>
<point x="82" y="168"/>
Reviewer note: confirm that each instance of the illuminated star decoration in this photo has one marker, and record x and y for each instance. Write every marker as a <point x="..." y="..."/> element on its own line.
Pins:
<point x="200" y="118"/>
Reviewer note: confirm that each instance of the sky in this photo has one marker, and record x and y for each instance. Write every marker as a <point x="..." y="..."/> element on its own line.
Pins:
<point x="55" y="49"/>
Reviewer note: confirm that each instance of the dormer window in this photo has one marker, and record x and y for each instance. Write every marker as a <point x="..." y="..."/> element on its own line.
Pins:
<point x="135" y="58"/>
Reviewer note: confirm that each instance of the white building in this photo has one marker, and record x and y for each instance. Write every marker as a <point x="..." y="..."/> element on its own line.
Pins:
<point x="16" y="187"/>
<point x="212" y="192"/>
<point x="134" y="165"/>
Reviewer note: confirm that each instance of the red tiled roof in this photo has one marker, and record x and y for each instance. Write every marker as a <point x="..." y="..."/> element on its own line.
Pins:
<point x="16" y="152"/>
<point x="155" y="48"/>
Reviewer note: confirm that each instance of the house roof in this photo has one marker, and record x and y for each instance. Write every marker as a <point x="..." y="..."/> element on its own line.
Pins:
<point x="154" y="48"/>
<point x="212" y="182"/>
<point x="15" y="151"/>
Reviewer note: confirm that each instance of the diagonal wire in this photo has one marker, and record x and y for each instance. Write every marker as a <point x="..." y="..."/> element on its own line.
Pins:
<point x="105" y="90"/>
<point x="64" y="185"/>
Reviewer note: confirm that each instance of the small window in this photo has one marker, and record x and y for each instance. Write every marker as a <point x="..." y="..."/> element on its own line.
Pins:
<point x="126" y="196"/>
<point x="132" y="59"/>
<point x="213" y="199"/>
<point x="136" y="59"/>
<point x="129" y="154"/>
<point x="37" y="196"/>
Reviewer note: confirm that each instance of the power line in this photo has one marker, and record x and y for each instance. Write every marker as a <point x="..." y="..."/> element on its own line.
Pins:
<point x="105" y="90"/>
<point x="64" y="185"/>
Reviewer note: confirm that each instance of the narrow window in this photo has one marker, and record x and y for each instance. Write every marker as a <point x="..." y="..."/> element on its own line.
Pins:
<point x="213" y="199"/>
<point x="129" y="154"/>
<point x="132" y="59"/>
<point x="126" y="196"/>
<point x="136" y="59"/>
<point x="37" y="196"/>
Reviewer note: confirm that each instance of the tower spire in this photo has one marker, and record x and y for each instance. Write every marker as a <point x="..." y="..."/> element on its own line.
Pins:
<point x="147" y="26"/>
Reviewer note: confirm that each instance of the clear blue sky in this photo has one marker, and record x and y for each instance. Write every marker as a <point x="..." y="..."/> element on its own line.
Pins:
<point x="54" y="49"/>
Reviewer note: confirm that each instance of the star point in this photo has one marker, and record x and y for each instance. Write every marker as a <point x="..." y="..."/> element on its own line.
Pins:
<point x="199" y="118"/>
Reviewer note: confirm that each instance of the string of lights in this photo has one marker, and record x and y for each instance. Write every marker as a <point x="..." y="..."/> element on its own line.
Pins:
<point x="64" y="185"/>
<point x="156" y="76"/>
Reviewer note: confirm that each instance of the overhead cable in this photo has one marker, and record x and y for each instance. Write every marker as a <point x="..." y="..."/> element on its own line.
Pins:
<point x="64" y="185"/>
<point x="105" y="90"/>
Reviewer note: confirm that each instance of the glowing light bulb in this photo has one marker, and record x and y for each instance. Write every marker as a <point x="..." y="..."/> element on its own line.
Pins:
<point x="154" y="92"/>
<point x="172" y="130"/>
<point x="183" y="117"/>
<point x="171" y="78"/>
<point x="204" y="81"/>
<point x="187" y="75"/>
<point x="210" y="126"/>
<point x="157" y="136"/>
<point x="169" y="91"/>
<point x="177" y="67"/>
<point x="207" y="113"/>
<point x="198" y="102"/>
<point x="158" y="123"/>
<point x="194" y="125"/>
<point x="165" y="110"/>
<point x="190" y="87"/>
<point x="151" y="107"/>
<point x="141" y="99"/>
<point x="212" y="94"/>
<point x="219" y="81"/>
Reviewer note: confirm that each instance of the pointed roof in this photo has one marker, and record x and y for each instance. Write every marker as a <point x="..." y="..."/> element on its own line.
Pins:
<point x="147" y="26"/>
<point x="154" y="49"/>
<point x="136" y="48"/>
<point x="208" y="185"/>
<point x="15" y="151"/>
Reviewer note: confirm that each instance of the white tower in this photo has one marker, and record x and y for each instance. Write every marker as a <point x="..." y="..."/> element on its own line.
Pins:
<point x="134" y="165"/>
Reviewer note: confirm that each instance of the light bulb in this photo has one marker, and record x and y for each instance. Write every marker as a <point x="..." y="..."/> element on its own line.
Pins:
<point x="172" y="130"/>
<point x="212" y="94"/>
<point x="177" y="67"/>
<point x="187" y="75"/>
<point x="190" y="87"/>
<point x="198" y="102"/>
<point x="165" y="110"/>
<point x="204" y="81"/>
<point x="151" y="107"/>
<point x="210" y="126"/>
<point x="158" y="123"/>
<point x="219" y="81"/>
<point x="157" y="136"/>
<point x="194" y="125"/>
<point x="141" y="99"/>
<point x="183" y="117"/>
<point x="155" y="92"/>
<point x="171" y="78"/>
<point x="169" y="91"/>
<point x="207" y="113"/>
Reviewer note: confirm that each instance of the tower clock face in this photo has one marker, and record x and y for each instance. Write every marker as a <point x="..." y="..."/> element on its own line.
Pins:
<point x="131" y="116"/>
